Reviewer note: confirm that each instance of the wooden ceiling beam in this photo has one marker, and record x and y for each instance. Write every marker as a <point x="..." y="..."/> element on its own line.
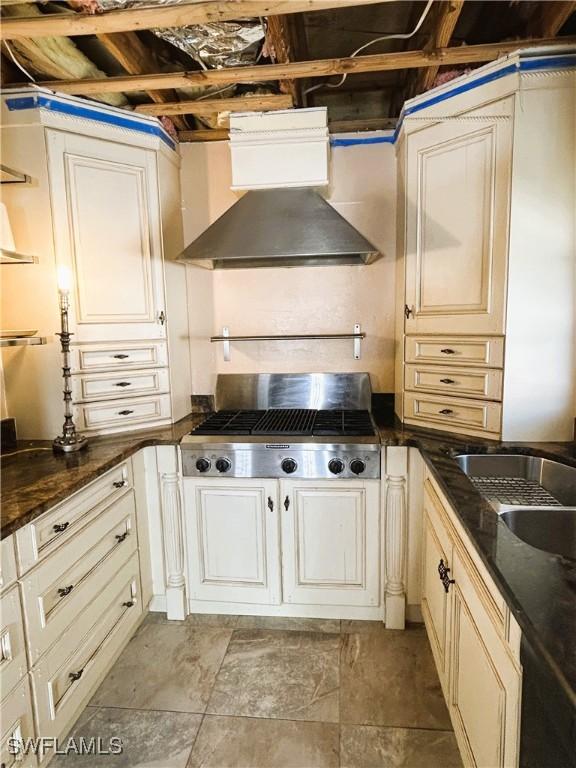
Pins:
<point x="212" y="106"/>
<point x="161" y="16"/>
<point x="445" y="20"/>
<point x="215" y="134"/>
<point x="380" y="62"/>
<point x="279" y="43"/>
<point x="550" y="17"/>
<point x="137" y="59"/>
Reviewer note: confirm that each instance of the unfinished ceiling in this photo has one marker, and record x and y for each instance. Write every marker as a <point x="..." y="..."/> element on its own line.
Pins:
<point x="191" y="63"/>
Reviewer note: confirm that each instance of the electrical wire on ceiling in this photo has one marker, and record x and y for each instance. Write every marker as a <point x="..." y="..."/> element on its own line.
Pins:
<point x="15" y="60"/>
<point x="399" y="36"/>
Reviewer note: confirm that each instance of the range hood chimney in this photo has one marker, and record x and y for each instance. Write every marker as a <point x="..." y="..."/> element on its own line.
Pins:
<point x="279" y="228"/>
<point x="280" y="158"/>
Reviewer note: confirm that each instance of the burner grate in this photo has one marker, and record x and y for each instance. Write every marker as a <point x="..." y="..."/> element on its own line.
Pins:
<point x="352" y="423"/>
<point x="285" y="421"/>
<point x="515" y="491"/>
<point x="230" y="423"/>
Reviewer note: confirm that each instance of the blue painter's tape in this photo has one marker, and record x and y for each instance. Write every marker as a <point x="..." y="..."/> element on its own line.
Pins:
<point x="350" y="142"/>
<point x="78" y="110"/>
<point x="551" y="62"/>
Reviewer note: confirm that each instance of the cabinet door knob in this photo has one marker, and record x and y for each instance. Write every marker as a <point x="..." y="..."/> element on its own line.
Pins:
<point x="119" y="483"/>
<point x="76" y="675"/>
<point x="270" y="504"/>
<point x="447" y="381"/>
<point x="125" y="412"/>
<point x="446" y="411"/>
<point x="408" y="311"/>
<point x="443" y="572"/>
<point x="59" y="527"/>
<point x="128" y="604"/>
<point x="161" y="317"/>
<point x="120" y="357"/>
<point x="63" y="591"/>
<point x="121" y="537"/>
<point x="287" y="503"/>
<point x="447" y="351"/>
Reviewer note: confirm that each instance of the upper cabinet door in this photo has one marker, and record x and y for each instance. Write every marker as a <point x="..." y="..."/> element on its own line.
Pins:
<point x="331" y="542"/>
<point x="106" y="211"/>
<point x="457" y="203"/>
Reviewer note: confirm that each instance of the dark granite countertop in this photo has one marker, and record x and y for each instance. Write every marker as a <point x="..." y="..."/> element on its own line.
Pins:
<point x="539" y="587"/>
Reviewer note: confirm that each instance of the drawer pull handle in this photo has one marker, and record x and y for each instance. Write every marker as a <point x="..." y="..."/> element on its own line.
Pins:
<point x="74" y="676"/>
<point x="128" y="604"/>
<point x="125" y="413"/>
<point x="447" y="381"/>
<point x="447" y="351"/>
<point x="446" y="411"/>
<point x="123" y="384"/>
<point x="408" y="311"/>
<point x="121" y="536"/>
<point x="270" y="504"/>
<point x="63" y="591"/>
<point x="119" y="483"/>
<point x="59" y="527"/>
<point x="287" y="503"/>
<point x="120" y="357"/>
<point x="444" y="572"/>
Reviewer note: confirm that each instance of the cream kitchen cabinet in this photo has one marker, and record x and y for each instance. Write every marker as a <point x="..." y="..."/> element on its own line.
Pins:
<point x="232" y="530"/>
<point x="331" y="542"/>
<point x="475" y="640"/>
<point x="457" y="200"/>
<point x="485" y="253"/>
<point x="97" y="203"/>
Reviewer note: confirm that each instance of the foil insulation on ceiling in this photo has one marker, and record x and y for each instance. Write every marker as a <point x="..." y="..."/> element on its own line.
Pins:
<point x="215" y="44"/>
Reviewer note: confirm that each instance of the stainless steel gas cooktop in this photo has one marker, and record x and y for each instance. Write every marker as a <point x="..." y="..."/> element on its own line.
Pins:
<point x="266" y="434"/>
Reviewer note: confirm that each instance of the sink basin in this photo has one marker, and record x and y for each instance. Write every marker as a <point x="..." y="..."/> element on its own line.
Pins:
<point x="515" y="480"/>
<point x="552" y="529"/>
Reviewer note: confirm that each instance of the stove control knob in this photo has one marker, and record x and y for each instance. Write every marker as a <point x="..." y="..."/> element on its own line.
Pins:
<point x="223" y="464"/>
<point x="357" y="466"/>
<point x="289" y="466"/>
<point x="336" y="466"/>
<point x="203" y="465"/>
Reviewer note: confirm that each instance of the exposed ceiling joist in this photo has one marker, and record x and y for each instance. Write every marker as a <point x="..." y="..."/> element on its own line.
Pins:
<point x="194" y="136"/>
<point x="212" y="106"/>
<point x="280" y="45"/>
<point x="161" y="16"/>
<point x="445" y="20"/>
<point x="465" y="54"/>
<point x="137" y="59"/>
<point x="550" y="17"/>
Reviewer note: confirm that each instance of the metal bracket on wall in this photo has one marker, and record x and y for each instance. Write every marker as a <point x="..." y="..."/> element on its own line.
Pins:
<point x="225" y="339"/>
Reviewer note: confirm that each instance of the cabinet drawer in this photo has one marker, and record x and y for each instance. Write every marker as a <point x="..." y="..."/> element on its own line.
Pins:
<point x="122" y="413"/>
<point x="106" y="386"/>
<point x="42" y="536"/>
<point x="462" y="382"/>
<point x="456" y="350"/>
<point x="68" y="674"/>
<point x="108" y="357"/>
<point x="473" y="417"/>
<point x="13" y="664"/>
<point x="58" y="589"/>
<point x="7" y="562"/>
<point x="17" y="727"/>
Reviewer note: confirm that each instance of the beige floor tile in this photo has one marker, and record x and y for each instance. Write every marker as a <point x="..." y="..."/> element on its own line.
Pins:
<point x="366" y="746"/>
<point x="389" y="678"/>
<point x="149" y="739"/>
<point x="243" y="742"/>
<point x="361" y="627"/>
<point x="288" y="622"/>
<point x="280" y="674"/>
<point x="165" y="668"/>
<point x="194" y="620"/>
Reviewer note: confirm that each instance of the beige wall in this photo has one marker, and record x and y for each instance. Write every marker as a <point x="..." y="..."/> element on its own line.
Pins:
<point x="297" y="300"/>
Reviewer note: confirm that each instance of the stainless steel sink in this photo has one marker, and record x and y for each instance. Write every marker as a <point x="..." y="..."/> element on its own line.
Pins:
<point x="513" y="480"/>
<point x="552" y="529"/>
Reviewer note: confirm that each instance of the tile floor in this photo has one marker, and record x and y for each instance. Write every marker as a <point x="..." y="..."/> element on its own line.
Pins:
<point x="267" y="692"/>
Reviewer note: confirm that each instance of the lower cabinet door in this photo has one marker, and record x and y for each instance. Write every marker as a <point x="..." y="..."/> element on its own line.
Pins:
<point x="485" y="681"/>
<point x="331" y="542"/>
<point x="436" y="551"/>
<point x="17" y="728"/>
<point x="233" y="541"/>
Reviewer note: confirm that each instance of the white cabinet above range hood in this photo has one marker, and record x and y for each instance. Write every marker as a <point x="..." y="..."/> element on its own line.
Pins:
<point x="281" y="221"/>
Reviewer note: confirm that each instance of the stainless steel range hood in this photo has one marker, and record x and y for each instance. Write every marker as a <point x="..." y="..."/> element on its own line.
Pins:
<point x="288" y="227"/>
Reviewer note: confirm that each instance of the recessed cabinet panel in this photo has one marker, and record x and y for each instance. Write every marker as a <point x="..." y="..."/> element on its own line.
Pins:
<point x="456" y="259"/>
<point x="330" y="542"/>
<point x="17" y="727"/>
<point x="107" y="230"/>
<point x="232" y="532"/>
